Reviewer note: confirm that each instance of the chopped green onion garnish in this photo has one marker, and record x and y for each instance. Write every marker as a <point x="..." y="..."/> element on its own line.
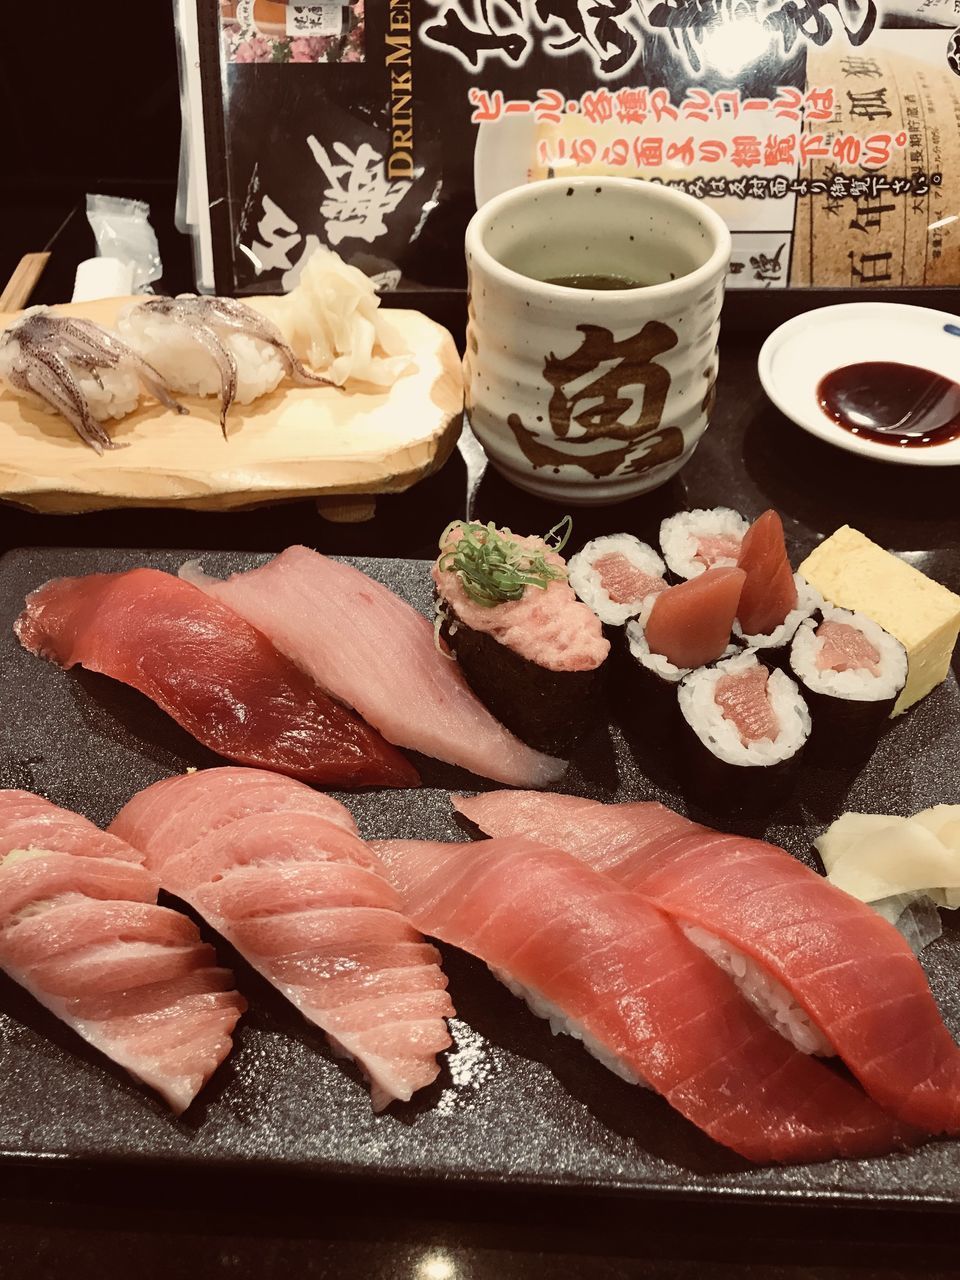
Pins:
<point x="494" y="567"/>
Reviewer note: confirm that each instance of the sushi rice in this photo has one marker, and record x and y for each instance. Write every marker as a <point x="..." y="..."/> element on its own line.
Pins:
<point x="560" y="1024"/>
<point x="585" y="579"/>
<point x="857" y="685"/>
<point x="809" y="601"/>
<point x="680" y="535"/>
<point x="112" y="393"/>
<point x="188" y="367"/>
<point x="721" y="737"/>
<point x="769" y="997"/>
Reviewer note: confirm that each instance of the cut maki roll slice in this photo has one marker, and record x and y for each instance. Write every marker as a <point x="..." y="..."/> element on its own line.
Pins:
<point x="851" y="672"/>
<point x="744" y="729"/>
<point x="615" y="575"/>
<point x="694" y="541"/>
<point x="690" y="624"/>
<point x="530" y="650"/>
<point x="685" y="627"/>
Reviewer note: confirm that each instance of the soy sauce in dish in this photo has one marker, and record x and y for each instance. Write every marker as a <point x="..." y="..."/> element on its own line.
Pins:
<point x="894" y="404"/>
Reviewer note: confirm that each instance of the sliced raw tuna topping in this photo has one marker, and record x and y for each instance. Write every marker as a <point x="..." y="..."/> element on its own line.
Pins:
<point x="769" y="592"/>
<point x="80" y="929"/>
<point x="282" y="875"/>
<point x="690" y="624"/>
<point x="211" y="671"/>
<point x="373" y="651"/>
<point x="606" y="966"/>
<point x="846" y="967"/>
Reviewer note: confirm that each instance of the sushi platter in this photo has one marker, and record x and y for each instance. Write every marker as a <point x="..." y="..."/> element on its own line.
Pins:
<point x="513" y="1104"/>
<point x="295" y="442"/>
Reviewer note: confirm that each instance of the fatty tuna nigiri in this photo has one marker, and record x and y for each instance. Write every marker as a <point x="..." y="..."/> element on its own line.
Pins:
<point x="835" y="966"/>
<point x="212" y="672"/>
<point x="281" y="873"/>
<point x="80" y="929"/>
<point x="610" y="969"/>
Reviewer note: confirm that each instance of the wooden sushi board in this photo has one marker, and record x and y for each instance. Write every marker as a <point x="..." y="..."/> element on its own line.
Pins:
<point x="297" y="442"/>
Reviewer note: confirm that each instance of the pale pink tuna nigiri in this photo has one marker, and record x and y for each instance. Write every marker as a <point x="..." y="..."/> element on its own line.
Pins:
<point x="367" y="647"/>
<point x="847" y="969"/>
<point x="280" y="872"/>
<point x="769" y="592"/>
<point x="619" y="975"/>
<point x="690" y="624"/>
<point x="80" y="929"/>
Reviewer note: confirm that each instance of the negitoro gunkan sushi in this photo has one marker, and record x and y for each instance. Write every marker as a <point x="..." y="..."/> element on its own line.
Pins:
<point x="530" y="650"/>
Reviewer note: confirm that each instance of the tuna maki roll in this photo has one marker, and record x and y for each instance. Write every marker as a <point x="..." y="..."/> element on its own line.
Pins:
<point x="694" y="541"/>
<point x="744" y="728"/>
<point x="530" y="650"/>
<point x="685" y="627"/>
<point x="615" y="575"/>
<point x="851" y="672"/>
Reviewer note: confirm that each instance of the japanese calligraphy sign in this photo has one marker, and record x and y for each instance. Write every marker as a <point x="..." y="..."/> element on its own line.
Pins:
<point x="824" y="131"/>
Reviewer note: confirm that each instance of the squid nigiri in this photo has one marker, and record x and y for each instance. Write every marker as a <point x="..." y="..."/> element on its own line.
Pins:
<point x="79" y="370"/>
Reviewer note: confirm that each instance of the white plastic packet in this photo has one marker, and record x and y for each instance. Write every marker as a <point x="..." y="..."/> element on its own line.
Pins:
<point x="122" y="231"/>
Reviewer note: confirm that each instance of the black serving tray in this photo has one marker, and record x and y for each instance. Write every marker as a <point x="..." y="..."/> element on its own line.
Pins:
<point x="513" y="1105"/>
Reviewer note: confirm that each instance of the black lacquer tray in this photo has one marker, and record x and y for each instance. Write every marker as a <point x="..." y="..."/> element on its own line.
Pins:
<point x="513" y="1105"/>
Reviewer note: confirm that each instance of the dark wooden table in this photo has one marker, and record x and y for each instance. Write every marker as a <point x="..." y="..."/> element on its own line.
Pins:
<point x="53" y="1219"/>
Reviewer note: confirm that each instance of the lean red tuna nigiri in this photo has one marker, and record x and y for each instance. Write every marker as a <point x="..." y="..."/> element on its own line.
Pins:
<point x="374" y="652"/>
<point x="80" y="929"/>
<point x="848" y="971"/>
<point x="620" y="976"/>
<point x="690" y="624"/>
<point x="281" y="873"/>
<point x="769" y="592"/>
<point x="211" y="671"/>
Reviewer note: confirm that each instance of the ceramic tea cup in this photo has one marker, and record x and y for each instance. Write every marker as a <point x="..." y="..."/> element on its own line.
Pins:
<point x="594" y="314"/>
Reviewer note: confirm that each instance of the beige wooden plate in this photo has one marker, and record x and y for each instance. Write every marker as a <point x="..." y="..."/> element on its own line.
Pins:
<point x="296" y="442"/>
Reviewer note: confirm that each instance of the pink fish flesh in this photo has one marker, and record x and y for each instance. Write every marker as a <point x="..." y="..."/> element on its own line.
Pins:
<point x="370" y="649"/>
<point x="623" y="582"/>
<point x="279" y="871"/>
<point x="718" y="550"/>
<point x="622" y="977"/>
<point x="845" y="648"/>
<point x="547" y="625"/>
<point x="744" y="700"/>
<point x="80" y="929"/>
<point x="845" y="966"/>
<point x="690" y="623"/>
